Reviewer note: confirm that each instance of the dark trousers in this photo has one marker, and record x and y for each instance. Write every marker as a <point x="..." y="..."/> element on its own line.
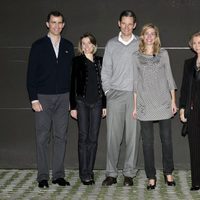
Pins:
<point x="148" y="147"/>
<point x="89" y="119"/>
<point x="54" y="116"/>
<point x="194" y="144"/>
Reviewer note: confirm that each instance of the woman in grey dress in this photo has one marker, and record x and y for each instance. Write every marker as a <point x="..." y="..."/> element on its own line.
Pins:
<point x="155" y="101"/>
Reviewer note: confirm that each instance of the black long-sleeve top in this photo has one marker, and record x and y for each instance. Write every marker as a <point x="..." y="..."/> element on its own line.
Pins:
<point x="186" y="86"/>
<point x="46" y="73"/>
<point x="79" y="80"/>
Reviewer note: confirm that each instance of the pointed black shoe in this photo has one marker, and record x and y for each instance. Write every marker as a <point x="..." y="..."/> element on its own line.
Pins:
<point x="194" y="188"/>
<point x="43" y="184"/>
<point x="128" y="181"/>
<point x="109" y="181"/>
<point x="169" y="183"/>
<point x="61" y="182"/>
<point x="87" y="182"/>
<point x="150" y="186"/>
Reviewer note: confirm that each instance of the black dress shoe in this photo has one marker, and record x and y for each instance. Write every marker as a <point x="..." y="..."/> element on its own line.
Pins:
<point x="43" y="184"/>
<point x="87" y="182"/>
<point x="109" y="181"/>
<point x="128" y="181"/>
<point x="193" y="188"/>
<point x="169" y="183"/>
<point x="151" y="186"/>
<point x="61" y="182"/>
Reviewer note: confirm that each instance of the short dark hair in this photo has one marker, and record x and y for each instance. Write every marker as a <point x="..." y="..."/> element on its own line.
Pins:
<point x="127" y="13"/>
<point x="56" y="14"/>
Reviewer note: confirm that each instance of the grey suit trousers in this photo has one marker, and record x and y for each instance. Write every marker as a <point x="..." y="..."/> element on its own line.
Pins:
<point x="120" y="122"/>
<point x="53" y="117"/>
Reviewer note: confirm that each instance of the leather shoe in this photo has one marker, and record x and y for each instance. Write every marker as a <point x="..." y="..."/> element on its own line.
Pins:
<point x="169" y="183"/>
<point x="87" y="182"/>
<point x="128" y="181"/>
<point x="109" y="181"/>
<point x="193" y="188"/>
<point x="61" y="182"/>
<point x="151" y="186"/>
<point x="43" y="184"/>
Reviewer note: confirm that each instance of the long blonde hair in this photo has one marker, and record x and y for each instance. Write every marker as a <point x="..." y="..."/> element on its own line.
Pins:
<point x="157" y="43"/>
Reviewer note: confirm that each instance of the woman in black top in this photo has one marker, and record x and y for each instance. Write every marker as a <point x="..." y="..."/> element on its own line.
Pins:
<point x="190" y="107"/>
<point x="87" y="103"/>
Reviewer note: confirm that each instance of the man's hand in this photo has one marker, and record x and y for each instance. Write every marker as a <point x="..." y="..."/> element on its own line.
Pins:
<point x="73" y="113"/>
<point x="37" y="107"/>
<point x="103" y="112"/>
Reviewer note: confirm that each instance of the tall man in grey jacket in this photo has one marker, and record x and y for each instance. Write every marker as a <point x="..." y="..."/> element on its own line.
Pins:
<point x="117" y="81"/>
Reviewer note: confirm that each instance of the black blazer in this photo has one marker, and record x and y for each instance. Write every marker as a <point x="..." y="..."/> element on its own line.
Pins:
<point x="47" y="74"/>
<point x="79" y="79"/>
<point x="186" y="87"/>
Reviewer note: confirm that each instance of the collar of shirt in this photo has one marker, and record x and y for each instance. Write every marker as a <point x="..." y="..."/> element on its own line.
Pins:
<point x="126" y="42"/>
<point x="55" y="45"/>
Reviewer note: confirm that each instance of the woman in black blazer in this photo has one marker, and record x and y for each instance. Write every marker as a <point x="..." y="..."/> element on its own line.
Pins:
<point x="87" y="102"/>
<point x="190" y="107"/>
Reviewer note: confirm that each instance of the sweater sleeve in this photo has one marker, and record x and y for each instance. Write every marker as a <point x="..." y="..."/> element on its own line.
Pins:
<point x="73" y="85"/>
<point x="32" y="73"/>
<point x="168" y="71"/>
<point x="135" y="72"/>
<point x="103" y="94"/>
<point x="106" y="71"/>
<point x="184" y="87"/>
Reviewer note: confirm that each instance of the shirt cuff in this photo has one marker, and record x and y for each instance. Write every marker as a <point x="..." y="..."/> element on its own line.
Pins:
<point x="106" y="92"/>
<point x="35" y="101"/>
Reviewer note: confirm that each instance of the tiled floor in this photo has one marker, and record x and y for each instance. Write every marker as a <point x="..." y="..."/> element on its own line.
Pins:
<point x="21" y="184"/>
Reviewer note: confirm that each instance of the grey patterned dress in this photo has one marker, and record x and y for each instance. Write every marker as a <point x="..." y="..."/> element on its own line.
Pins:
<point x="153" y="85"/>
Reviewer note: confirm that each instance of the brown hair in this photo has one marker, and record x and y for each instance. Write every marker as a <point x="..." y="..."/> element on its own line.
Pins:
<point x="92" y="40"/>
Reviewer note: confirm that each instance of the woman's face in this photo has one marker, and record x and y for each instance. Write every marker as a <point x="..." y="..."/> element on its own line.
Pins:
<point x="87" y="46"/>
<point x="149" y="36"/>
<point x="196" y="44"/>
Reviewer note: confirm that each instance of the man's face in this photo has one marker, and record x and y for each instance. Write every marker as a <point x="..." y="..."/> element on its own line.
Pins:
<point x="55" y="25"/>
<point x="127" y="24"/>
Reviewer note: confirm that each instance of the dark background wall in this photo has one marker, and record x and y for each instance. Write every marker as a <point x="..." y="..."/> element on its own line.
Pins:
<point x="22" y="22"/>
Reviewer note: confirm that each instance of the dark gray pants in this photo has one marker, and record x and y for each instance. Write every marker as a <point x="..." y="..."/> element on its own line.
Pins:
<point x="148" y="147"/>
<point x="55" y="116"/>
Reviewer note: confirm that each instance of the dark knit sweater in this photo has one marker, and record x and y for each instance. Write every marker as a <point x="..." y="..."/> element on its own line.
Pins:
<point x="47" y="74"/>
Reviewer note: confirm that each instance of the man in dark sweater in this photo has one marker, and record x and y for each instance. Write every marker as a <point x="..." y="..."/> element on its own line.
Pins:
<point x="48" y="83"/>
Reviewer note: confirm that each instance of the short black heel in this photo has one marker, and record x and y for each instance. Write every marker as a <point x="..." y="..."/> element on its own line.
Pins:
<point x="150" y="186"/>
<point x="169" y="183"/>
<point x="194" y="188"/>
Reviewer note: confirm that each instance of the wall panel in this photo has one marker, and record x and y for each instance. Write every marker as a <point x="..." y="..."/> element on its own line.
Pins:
<point x="22" y="22"/>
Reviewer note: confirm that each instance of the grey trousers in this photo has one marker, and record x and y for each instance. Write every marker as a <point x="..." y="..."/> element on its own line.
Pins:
<point x="54" y="116"/>
<point x="120" y="122"/>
